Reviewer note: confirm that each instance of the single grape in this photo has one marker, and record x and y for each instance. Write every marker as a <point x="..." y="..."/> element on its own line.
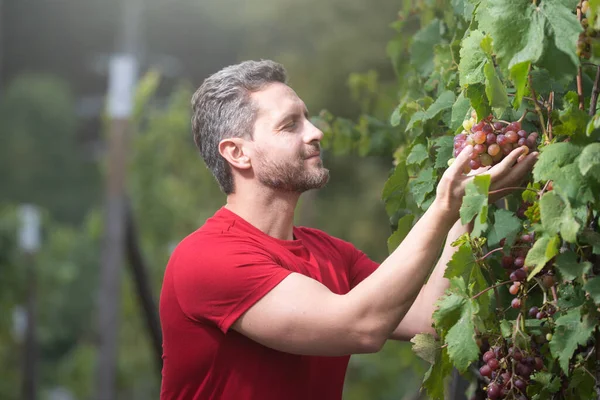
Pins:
<point x="467" y="124"/>
<point x="460" y="137"/>
<point x="519" y="262"/>
<point x="539" y="364"/>
<point x="515" y="303"/>
<point x="520" y="384"/>
<point x="487" y="128"/>
<point x="522" y="142"/>
<point x="486" y="160"/>
<point x="522" y="134"/>
<point x="493" y="149"/>
<point x="548" y="336"/>
<point x="490" y="139"/>
<point x="498" y="125"/>
<point x="514" y="126"/>
<point x="479" y="148"/>
<point x="533" y="311"/>
<point x="494" y="364"/>
<point x="541" y="315"/>
<point x="474" y="164"/>
<point x="477" y="127"/>
<point x="523" y="370"/>
<point x="518" y="275"/>
<point x="550" y="309"/>
<point x="507" y="262"/>
<point x="513" y="289"/>
<point x="456" y="152"/>
<point x="535" y="135"/>
<point x="488" y="355"/>
<point x="548" y="281"/>
<point x="527" y="238"/>
<point x="479" y="137"/>
<point x="494" y="391"/>
<point x="485" y="370"/>
<point x="498" y="157"/>
<point x="512" y="137"/>
<point x="501" y="139"/>
<point x="458" y="144"/>
<point x="506" y="148"/>
<point x="525" y="152"/>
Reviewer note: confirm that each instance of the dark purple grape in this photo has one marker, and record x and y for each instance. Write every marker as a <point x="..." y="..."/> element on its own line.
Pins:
<point x="485" y="370"/>
<point x="512" y="137"/>
<point x="522" y="142"/>
<point x="508" y="262"/>
<point x="494" y="364"/>
<point x="533" y="311"/>
<point x="494" y="391"/>
<point x="519" y="262"/>
<point x="501" y="140"/>
<point x="518" y="275"/>
<point x="520" y="384"/>
<point x="539" y="364"/>
<point x="474" y="164"/>
<point x="541" y="315"/>
<point x="523" y="370"/>
<point x="514" y="126"/>
<point x="498" y="125"/>
<point x="522" y="134"/>
<point x="490" y="139"/>
<point x="488" y="355"/>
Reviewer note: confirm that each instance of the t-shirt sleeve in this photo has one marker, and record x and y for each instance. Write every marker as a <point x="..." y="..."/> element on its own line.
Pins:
<point x="361" y="267"/>
<point x="217" y="282"/>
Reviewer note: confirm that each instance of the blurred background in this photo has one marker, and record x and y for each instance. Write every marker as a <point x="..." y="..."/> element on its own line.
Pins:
<point x="79" y="163"/>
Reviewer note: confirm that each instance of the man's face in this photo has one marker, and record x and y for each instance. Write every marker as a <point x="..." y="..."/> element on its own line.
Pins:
<point x="286" y="145"/>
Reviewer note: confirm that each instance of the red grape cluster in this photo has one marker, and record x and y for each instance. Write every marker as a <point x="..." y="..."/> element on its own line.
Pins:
<point x="509" y="372"/>
<point x="492" y="141"/>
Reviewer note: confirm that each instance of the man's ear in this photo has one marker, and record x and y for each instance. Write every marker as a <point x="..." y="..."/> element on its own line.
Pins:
<point x="233" y="150"/>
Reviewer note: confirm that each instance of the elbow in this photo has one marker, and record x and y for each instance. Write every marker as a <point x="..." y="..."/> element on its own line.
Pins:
<point x="372" y="343"/>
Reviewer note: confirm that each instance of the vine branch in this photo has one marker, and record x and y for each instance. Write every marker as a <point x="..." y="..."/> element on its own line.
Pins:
<point x="490" y="288"/>
<point x="595" y="92"/>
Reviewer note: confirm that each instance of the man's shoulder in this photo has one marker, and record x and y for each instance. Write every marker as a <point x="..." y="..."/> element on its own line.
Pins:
<point x="325" y="239"/>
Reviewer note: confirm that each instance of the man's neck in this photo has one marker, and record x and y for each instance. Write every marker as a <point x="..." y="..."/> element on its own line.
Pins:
<point x="271" y="212"/>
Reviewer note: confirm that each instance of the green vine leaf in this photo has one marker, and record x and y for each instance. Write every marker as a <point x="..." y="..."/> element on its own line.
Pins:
<point x="589" y="161"/>
<point x="592" y="287"/>
<point x="404" y="225"/>
<point x="472" y="60"/>
<point x="494" y="89"/>
<point x="571" y="331"/>
<point x="422" y="185"/>
<point x="569" y="267"/>
<point x="518" y="74"/>
<point x="475" y="200"/>
<point x="543" y="250"/>
<point x="557" y="216"/>
<point x="434" y="378"/>
<point x="417" y="155"/>
<point x="506" y="225"/>
<point x="425" y="346"/>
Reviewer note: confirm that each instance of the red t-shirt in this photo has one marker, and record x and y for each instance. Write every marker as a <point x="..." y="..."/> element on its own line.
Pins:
<point x="214" y="276"/>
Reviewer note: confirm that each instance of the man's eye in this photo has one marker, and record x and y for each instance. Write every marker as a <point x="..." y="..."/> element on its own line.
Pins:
<point x="291" y="125"/>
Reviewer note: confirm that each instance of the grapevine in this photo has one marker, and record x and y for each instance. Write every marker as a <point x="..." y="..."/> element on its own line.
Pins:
<point x="520" y="319"/>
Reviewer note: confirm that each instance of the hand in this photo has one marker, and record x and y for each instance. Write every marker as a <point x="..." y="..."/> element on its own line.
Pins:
<point x="505" y="174"/>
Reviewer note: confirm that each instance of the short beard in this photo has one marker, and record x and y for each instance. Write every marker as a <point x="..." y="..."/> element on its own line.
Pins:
<point x="291" y="176"/>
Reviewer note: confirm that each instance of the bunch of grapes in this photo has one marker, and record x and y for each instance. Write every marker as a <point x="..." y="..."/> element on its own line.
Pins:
<point x="509" y="371"/>
<point x="492" y="141"/>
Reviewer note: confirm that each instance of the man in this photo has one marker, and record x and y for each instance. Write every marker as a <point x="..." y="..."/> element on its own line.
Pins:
<point x="253" y="307"/>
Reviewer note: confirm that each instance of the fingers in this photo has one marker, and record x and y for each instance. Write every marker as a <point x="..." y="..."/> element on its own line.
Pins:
<point x="501" y="169"/>
<point x="461" y="161"/>
<point x="519" y="171"/>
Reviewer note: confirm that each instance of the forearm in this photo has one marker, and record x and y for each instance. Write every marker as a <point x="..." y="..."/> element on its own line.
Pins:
<point x="382" y="300"/>
<point x="419" y="318"/>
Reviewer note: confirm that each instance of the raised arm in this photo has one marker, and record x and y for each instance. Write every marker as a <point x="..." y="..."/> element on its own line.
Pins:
<point x="302" y="316"/>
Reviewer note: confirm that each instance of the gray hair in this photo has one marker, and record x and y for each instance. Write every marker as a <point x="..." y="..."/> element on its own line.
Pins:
<point x="222" y="108"/>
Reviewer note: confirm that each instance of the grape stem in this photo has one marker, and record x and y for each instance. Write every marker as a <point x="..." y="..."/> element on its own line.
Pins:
<point x="595" y="93"/>
<point x="554" y="295"/>
<point x="579" y="69"/>
<point x="490" y="288"/>
<point x="512" y="188"/>
<point x="526" y="111"/>
<point x="488" y="254"/>
<point x="538" y="109"/>
<point x="550" y="108"/>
